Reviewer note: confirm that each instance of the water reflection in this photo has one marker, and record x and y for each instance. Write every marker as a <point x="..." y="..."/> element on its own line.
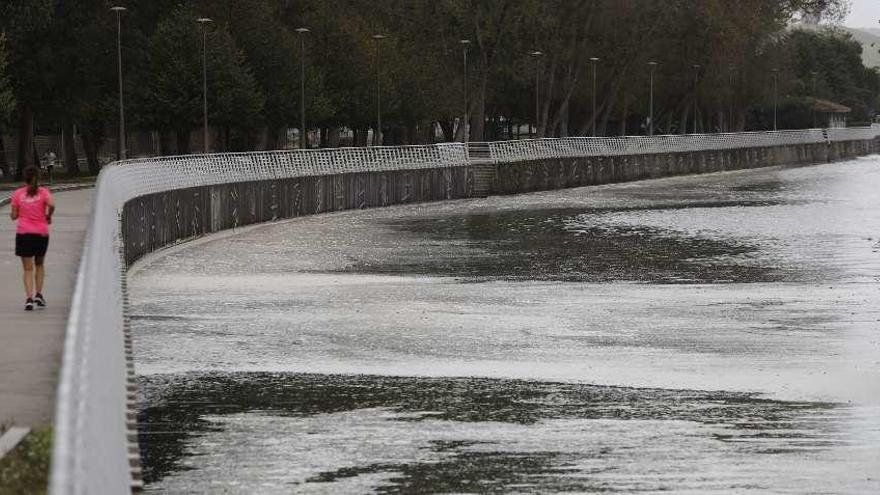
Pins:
<point x="459" y="435"/>
<point x="569" y="245"/>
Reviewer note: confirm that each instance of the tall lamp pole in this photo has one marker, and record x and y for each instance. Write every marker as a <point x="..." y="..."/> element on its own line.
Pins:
<point x="204" y="22"/>
<point x="731" y="71"/>
<point x="377" y="139"/>
<point x="537" y="54"/>
<point x="466" y="123"/>
<point x="775" y="99"/>
<point x="121" y="145"/>
<point x="696" y="68"/>
<point x="593" y="62"/>
<point x="303" y="137"/>
<point x="653" y="66"/>
<point x="813" y="106"/>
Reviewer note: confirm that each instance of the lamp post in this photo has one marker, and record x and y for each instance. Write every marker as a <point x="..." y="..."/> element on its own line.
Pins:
<point x="775" y="99"/>
<point x="466" y="123"/>
<point x="377" y="139"/>
<point x="303" y="137"/>
<point x="204" y="21"/>
<point x="593" y="63"/>
<point x="731" y="71"/>
<point x="537" y="54"/>
<point x="653" y="66"/>
<point x="121" y="145"/>
<point x="813" y="106"/>
<point x="696" y="68"/>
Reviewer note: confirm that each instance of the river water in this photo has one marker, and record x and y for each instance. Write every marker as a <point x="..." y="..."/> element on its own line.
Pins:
<point x="703" y="334"/>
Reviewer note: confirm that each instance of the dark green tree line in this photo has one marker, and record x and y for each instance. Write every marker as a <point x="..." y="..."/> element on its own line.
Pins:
<point x="714" y="68"/>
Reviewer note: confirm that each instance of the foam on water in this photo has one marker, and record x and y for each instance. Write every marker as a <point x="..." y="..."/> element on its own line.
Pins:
<point x="757" y="282"/>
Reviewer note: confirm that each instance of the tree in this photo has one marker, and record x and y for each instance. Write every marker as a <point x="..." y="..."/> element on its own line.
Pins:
<point x="27" y="26"/>
<point x="7" y="103"/>
<point x="170" y="99"/>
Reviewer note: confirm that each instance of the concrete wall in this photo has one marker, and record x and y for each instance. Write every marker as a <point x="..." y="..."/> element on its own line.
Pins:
<point x="156" y="220"/>
<point x="560" y="173"/>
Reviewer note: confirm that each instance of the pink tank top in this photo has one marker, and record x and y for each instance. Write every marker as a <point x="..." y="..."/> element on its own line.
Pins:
<point x="32" y="211"/>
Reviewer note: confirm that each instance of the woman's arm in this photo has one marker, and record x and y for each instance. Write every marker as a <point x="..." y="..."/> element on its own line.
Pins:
<point x="13" y="212"/>
<point x="50" y="208"/>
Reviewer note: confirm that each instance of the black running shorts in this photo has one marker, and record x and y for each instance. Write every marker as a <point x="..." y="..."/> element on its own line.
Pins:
<point x="30" y="245"/>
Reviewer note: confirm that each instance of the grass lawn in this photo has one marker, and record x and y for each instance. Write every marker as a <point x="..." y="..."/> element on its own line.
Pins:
<point x="25" y="470"/>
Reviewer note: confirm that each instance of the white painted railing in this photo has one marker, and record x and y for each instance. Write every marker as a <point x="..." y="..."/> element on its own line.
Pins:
<point x="537" y="149"/>
<point x="91" y="445"/>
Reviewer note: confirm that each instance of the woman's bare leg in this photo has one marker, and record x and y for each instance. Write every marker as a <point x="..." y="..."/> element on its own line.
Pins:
<point x="39" y="273"/>
<point x="27" y="265"/>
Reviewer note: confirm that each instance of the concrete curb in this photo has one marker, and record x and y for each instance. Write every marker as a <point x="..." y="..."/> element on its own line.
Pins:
<point x="11" y="439"/>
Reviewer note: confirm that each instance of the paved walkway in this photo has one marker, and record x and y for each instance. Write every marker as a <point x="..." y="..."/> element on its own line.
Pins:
<point x="31" y="343"/>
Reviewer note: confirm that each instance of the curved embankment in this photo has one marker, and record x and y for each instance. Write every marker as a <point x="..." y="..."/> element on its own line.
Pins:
<point x="143" y="205"/>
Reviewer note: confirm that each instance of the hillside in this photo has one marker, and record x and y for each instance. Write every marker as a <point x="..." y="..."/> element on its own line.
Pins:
<point x="870" y="40"/>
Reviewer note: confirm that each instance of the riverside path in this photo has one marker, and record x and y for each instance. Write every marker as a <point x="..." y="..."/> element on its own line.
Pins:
<point x="31" y="343"/>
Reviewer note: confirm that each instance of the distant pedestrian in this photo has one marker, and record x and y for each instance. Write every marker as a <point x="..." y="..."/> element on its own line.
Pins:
<point x="32" y="208"/>
<point x="49" y="160"/>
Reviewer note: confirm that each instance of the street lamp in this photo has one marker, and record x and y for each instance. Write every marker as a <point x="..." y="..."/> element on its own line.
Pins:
<point x="813" y="106"/>
<point x="377" y="139"/>
<point x="696" y="68"/>
<point x="303" y="138"/>
<point x="464" y="52"/>
<point x="653" y="66"/>
<point x="121" y="145"/>
<point x="203" y="21"/>
<point x="731" y="72"/>
<point x="593" y="62"/>
<point x="775" y="99"/>
<point x="537" y="54"/>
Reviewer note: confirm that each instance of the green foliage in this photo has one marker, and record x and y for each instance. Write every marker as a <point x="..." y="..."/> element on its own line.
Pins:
<point x="7" y="98"/>
<point x="841" y="77"/>
<point x="169" y="97"/>
<point x="27" y="26"/>
<point x="61" y="64"/>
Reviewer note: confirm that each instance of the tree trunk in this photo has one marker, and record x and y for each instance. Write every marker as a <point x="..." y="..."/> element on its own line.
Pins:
<point x="563" y="119"/>
<point x="4" y="165"/>
<point x="333" y="137"/>
<point x="685" y="111"/>
<point x="272" y="134"/>
<point x="447" y="127"/>
<point x="71" y="165"/>
<point x="182" y="142"/>
<point x="478" y="115"/>
<point x="167" y="143"/>
<point x="36" y="158"/>
<point x="91" y="144"/>
<point x="25" y="139"/>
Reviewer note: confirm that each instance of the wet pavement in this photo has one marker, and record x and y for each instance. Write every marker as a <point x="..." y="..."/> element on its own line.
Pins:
<point x="704" y="334"/>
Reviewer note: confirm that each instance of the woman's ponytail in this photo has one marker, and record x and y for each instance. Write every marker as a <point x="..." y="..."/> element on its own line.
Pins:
<point x="32" y="179"/>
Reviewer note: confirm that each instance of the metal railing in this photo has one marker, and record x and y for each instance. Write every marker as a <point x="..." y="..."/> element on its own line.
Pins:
<point x="92" y="430"/>
<point x="538" y="149"/>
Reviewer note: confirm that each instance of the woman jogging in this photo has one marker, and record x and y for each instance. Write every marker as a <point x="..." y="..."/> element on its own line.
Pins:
<point x="32" y="207"/>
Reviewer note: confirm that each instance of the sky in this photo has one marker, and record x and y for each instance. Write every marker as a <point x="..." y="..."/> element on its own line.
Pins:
<point x="865" y="13"/>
